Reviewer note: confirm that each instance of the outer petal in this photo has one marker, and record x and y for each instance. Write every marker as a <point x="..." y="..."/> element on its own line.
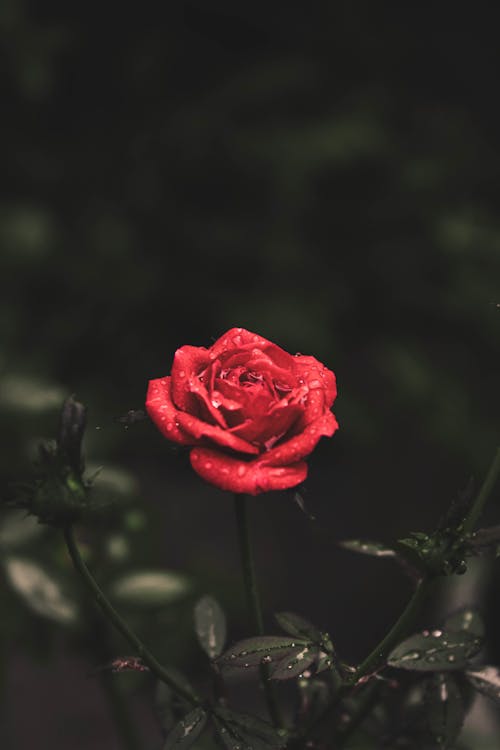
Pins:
<point x="226" y="439"/>
<point x="316" y="376"/>
<point x="251" y="477"/>
<point x="188" y="361"/>
<point x="302" y="444"/>
<point x="162" y="411"/>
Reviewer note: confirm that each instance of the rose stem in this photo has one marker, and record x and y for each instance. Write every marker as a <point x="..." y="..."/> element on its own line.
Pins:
<point x="147" y="657"/>
<point x="253" y="599"/>
<point x="483" y="494"/>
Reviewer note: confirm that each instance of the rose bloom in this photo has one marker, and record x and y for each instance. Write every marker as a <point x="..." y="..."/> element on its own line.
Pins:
<point x="252" y="411"/>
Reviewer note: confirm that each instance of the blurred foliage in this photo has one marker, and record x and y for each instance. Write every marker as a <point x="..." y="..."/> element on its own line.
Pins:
<point x="326" y="175"/>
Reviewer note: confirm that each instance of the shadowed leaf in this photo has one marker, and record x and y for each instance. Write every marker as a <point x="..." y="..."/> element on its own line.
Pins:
<point x="487" y="681"/>
<point x="297" y="626"/>
<point x="210" y="626"/>
<point x="435" y="651"/>
<point x="187" y="731"/>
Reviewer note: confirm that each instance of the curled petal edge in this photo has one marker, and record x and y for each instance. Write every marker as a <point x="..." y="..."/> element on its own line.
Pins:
<point x="249" y="477"/>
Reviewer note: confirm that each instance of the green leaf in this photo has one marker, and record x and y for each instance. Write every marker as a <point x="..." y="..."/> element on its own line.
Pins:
<point x="298" y="626"/>
<point x="486" y="680"/>
<point x="40" y="590"/>
<point x="466" y="620"/>
<point x="435" y="651"/>
<point x="187" y="731"/>
<point x="210" y="626"/>
<point x="150" y="588"/>
<point x="445" y="711"/>
<point x="294" y="663"/>
<point x="263" y="649"/>
<point x="375" y="549"/>
<point x="247" y="732"/>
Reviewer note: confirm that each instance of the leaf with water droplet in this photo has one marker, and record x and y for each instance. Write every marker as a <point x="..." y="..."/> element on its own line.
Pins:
<point x="486" y="680"/>
<point x="294" y="663"/>
<point x="187" y="731"/>
<point x="466" y="620"/>
<point x="375" y="549"/>
<point x="253" y="651"/>
<point x="210" y="626"/>
<point x="298" y="626"/>
<point x="244" y="732"/>
<point x="444" y="709"/>
<point x="429" y="652"/>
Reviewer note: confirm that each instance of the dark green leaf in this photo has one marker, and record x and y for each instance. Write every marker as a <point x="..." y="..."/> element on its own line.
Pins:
<point x="465" y="620"/>
<point x="262" y="649"/>
<point x="187" y="731"/>
<point x="210" y="626"/>
<point x="297" y="626"/>
<point x="247" y="732"/>
<point x="294" y="663"/>
<point x="486" y="680"/>
<point x="445" y="710"/>
<point x="435" y="651"/>
<point x="376" y="549"/>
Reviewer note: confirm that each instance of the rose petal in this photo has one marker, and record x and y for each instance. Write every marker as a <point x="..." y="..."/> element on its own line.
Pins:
<point x="162" y="411"/>
<point x="316" y="376"/>
<point x="199" y="429"/>
<point x="236" y="338"/>
<point x="273" y="423"/>
<point x="302" y="444"/>
<point x="250" y="477"/>
<point x="188" y="362"/>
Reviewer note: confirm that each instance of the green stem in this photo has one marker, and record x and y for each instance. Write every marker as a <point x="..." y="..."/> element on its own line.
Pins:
<point x="147" y="657"/>
<point x="396" y="633"/>
<point x="253" y="599"/>
<point x="483" y="494"/>
<point x="125" y="728"/>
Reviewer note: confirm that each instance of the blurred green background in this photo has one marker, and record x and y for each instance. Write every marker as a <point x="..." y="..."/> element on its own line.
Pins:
<point x="327" y="176"/>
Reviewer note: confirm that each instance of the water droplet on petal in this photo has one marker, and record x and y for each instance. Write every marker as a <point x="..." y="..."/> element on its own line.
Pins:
<point x="241" y="470"/>
<point x="170" y="426"/>
<point x="163" y="382"/>
<point x="208" y="465"/>
<point x="182" y="374"/>
<point x="314" y="384"/>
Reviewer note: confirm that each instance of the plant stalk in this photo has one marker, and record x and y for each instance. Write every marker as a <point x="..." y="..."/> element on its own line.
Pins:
<point x="110" y="612"/>
<point x="483" y="494"/>
<point x="253" y="598"/>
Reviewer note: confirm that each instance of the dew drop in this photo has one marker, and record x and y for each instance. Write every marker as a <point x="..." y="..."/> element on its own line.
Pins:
<point x="182" y="374"/>
<point x="266" y="660"/>
<point x="411" y="656"/>
<point x="246" y="665"/>
<point x="437" y="633"/>
<point x="163" y="418"/>
<point x="98" y="427"/>
<point x="425" y="633"/>
<point x="451" y="658"/>
<point x="170" y="426"/>
<point x="241" y="470"/>
<point x="314" y="384"/>
<point x="208" y="465"/>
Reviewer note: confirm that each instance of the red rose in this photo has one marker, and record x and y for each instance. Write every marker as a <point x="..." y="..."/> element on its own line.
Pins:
<point x="252" y="411"/>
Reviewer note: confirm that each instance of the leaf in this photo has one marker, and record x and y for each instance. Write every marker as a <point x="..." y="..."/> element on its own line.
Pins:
<point x="150" y="588"/>
<point x="187" y="731"/>
<point x="210" y="626"/>
<point x="298" y="626"/>
<point x="43" y="593"/>
<point x="247" y="732"/>
<point x="486" y="681"/>
<point x="263" y="649"/>
<point x="294" y="663"/>
<point x="299" y="501"/>
<point x="445" y="711"/>
<point x="466" y="620"/>
<point x="436" y="651"/>
<point x="375" y="549"/>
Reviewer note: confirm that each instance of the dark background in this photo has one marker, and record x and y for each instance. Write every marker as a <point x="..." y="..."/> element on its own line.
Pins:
<point x="325" y="176"/>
